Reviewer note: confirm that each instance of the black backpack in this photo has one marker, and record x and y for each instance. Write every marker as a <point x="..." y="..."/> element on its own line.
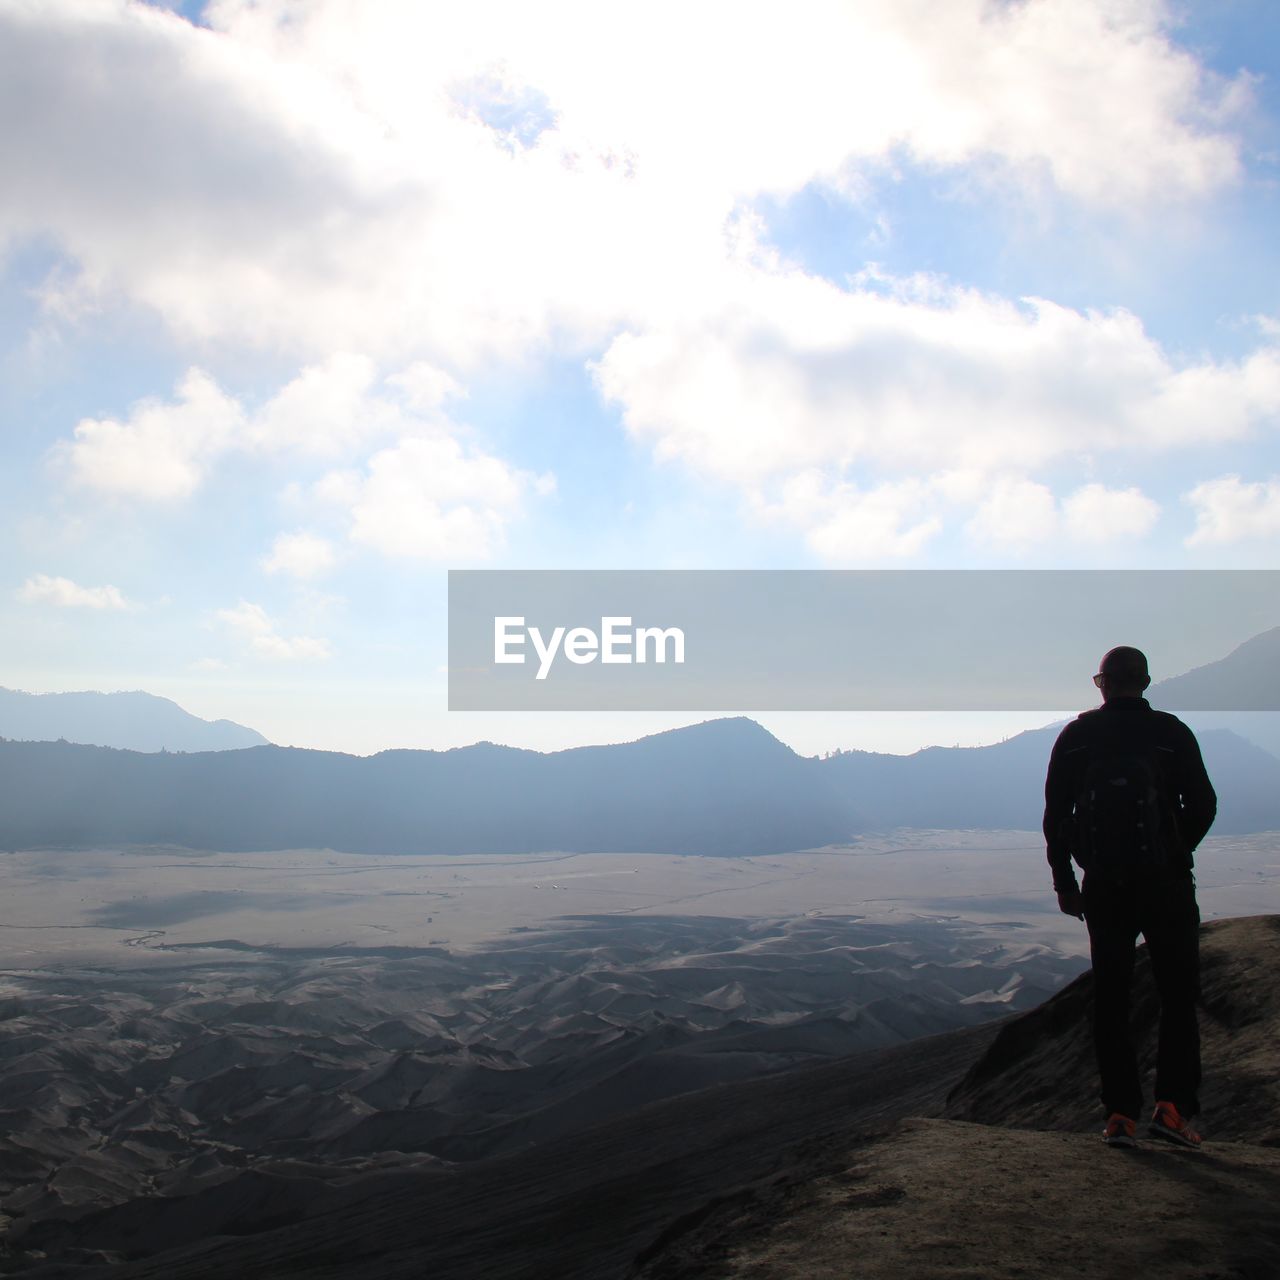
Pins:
<point x="1125" y="824"/>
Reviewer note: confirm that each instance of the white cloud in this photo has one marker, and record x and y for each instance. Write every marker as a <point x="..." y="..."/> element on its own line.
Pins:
<point x="260" y="635"/>
<point x="1229" y="509"/>
<point x="1093" y="90"/>
<point x="1132" y="118"/>
<point x="425" y="388"/>
<point x="891" y="379"/>
<point x="429" y="498"/>
<point x="1095" y="513"/>
<point x="425" y="495"/>
<point x="165" y="451"/>
<point x="916" y="372"/>
<point x="327" y="407"/>
<point x="472" y="179"/>
<point x="301" y="554"/>
<point x="1018" y="513"/>
<point x="65" y="594"/>
<point x="161" y="451"/>
<point x="436" y="186"/>
<point x="843" y="524"/>
<point x="1015" y="512"/>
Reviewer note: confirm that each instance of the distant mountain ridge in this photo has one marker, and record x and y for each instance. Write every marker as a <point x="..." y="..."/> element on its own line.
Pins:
<point x="1002" y="786"/>
<point x="724" y="787"/>
<point x="133" y="721"/>
<point x="721" y="787"/>
<point x="1249" y="676"/>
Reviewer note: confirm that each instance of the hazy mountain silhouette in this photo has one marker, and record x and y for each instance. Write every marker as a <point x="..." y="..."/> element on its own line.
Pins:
<point x="133" y="721"/>
<point x="1262" y="728"/>
<point x="861" y="1162"/>
<point x="1002" y="785"/>
<point x="1247" y="676"/>
<point x="722" y="787"/>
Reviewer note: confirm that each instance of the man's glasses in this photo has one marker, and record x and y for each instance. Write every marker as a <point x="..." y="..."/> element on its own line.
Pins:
<point x="1098" y="679"/>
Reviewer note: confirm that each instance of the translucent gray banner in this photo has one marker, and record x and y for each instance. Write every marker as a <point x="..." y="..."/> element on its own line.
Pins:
<point x="815" y="640"/>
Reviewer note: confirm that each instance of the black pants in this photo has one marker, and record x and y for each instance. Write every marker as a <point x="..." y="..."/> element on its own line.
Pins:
<point x="1166" y="914"/>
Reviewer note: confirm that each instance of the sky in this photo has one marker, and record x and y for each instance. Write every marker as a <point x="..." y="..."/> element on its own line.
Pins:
<point x="305" y="302"/>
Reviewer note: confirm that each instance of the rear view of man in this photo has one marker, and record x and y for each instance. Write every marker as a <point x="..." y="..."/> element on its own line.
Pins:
<point x="1128" y="798"/>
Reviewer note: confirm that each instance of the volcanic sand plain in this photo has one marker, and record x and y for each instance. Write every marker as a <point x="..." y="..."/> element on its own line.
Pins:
<point x="124" y="907"/>
<point x="175" y="1021"/>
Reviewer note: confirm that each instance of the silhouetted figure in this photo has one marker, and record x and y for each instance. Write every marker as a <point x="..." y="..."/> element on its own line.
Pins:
<point x="1127" y="797"/>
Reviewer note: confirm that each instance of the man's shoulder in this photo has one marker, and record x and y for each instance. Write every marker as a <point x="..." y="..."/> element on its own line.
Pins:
<point x="1100" y="725"/>
<point x="1170" y="726"/>
<point x="1074" y="733"/>
<point x="1086" y="723"/>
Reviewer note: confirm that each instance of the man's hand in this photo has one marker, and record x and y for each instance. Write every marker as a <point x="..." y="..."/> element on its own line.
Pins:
<point x="1071" y="903"/>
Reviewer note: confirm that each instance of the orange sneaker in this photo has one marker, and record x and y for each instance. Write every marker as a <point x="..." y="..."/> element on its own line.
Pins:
<point x="1120" y="1131"/>
<point x="1166" y="1122"/>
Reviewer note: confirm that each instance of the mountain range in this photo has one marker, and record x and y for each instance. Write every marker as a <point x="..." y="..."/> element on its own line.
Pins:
<point x="1249" y="676"/>
<point x="134" y="721"/>
<point x="723" y="787"/>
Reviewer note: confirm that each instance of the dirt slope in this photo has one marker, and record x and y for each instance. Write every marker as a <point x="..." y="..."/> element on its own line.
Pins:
<point x="1039" y="1071"/>
<point x="1016" y="1183"/>
<point x="587" y="1206"/>
<point x="944" y="1198"/>
<point x="825" y="1172"/>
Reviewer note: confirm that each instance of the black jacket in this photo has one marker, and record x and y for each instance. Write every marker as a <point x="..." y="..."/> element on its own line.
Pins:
<point x="1117" y="723"/>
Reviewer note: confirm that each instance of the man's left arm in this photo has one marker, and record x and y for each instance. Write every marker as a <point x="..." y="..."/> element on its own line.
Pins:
<point x="1198" y="798"/>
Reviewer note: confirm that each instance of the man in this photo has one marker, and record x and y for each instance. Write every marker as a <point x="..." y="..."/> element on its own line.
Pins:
<point x="1127" y="796"/>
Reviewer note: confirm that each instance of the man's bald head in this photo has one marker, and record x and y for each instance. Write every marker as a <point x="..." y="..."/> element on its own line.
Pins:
<point x="1124" y="672"/>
